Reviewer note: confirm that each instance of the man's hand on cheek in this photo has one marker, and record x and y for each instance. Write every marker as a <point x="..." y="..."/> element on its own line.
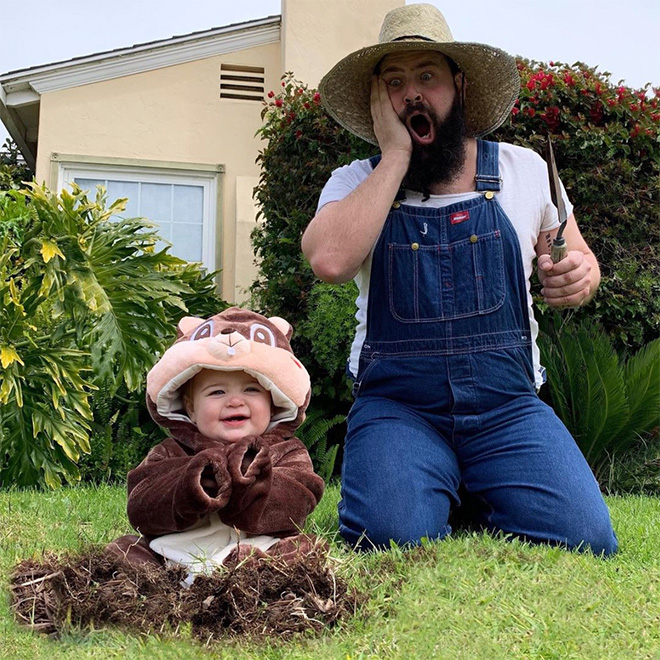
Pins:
<point x="567" y="283"/>
<point x="391" y="132"/>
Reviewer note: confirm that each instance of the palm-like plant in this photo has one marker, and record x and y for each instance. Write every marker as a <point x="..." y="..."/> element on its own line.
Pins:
<point x="84" y="298"/>
<point x="313" y="433"/>
<point x="606" y="403"/>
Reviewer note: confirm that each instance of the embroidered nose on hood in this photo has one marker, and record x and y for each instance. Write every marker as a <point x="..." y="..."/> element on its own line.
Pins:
<point x="234" y="340"/>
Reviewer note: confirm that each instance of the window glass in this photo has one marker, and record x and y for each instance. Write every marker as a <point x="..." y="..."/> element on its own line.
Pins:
<point x="128" y="189"/>
<point x="90" y="185"/>
<point x="156" y="201"/>
<point x="180" y="206"/>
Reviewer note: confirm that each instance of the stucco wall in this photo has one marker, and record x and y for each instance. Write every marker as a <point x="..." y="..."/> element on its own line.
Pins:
<point x="169" y="114"/>
<point x="316" y="34"/>
<point x="175" y="114"/>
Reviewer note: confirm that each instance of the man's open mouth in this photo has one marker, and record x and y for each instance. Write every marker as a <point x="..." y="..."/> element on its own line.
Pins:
<point x="420" y="128"/>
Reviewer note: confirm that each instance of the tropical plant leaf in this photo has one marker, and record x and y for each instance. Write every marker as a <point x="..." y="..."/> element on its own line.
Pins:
<point x="83" y="298"/>
<point x="604" y="404"/>
<point x="642" y="380"/>
<point x="313" y="433"/>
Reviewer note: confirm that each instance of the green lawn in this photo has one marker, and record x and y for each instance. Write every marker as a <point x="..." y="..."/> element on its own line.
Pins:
<point x="470" y="597"/>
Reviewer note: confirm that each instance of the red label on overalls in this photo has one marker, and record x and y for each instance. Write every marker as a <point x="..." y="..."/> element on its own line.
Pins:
<point x="460" y="216"/>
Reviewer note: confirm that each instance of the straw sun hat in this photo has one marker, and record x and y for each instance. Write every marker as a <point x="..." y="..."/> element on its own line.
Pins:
<point x="491" y="74"/>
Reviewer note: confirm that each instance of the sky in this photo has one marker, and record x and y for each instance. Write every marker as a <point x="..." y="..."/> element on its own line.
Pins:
<point x="617" y="36"/>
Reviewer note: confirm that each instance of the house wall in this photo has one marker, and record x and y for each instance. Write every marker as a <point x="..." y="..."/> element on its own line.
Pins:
<point x="316" y="34"/>
<point x="175" y="114"/>
<point x="171" y="114"/>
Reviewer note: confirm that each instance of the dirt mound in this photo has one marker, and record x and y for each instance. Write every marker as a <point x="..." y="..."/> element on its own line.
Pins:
<point x="258" y="597"/>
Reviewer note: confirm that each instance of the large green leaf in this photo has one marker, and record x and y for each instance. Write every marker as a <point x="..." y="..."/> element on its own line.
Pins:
<point x="82" y="297"/>
<point x="604" y="404"/>
<point x="642" y="379"/>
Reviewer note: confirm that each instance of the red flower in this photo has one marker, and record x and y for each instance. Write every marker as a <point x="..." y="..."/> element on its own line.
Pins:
<point x="283" y="84"/>
<point x="279" y="103"/>
<point x="569" y="80"/>
<point x="316" y="98"/>
<point x="300" y="90"/>
<point x="634" y="107"/>
<point x="298" y="135"/>
<point x="596" y="112"/>
<point x="306" y="105"/>
<point x="551" y="117"/>
<point x="530" y="112"/>
<point x="271" y="94"/>
<point x="531" y="84"/>
<point x="635" y="131"/>
<point x="514" y="111"/>
<point x="611" y="102"/>
<point x="547" y="81"/>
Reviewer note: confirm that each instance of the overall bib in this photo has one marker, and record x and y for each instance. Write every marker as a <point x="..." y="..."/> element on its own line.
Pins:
<point x="445" y="391"/>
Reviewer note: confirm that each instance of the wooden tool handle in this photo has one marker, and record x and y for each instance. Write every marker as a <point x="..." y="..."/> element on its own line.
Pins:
<point x="558" y="250"/>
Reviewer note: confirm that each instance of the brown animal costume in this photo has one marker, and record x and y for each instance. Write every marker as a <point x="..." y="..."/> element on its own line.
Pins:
<point x="201" y="502"/>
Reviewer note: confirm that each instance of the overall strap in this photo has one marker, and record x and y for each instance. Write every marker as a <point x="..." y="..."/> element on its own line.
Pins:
<point x="401" y="195"/>
<point x="488" y="167"/>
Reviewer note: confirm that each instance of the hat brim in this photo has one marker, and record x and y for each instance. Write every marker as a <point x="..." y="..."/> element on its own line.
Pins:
<point x="492" y="84"/>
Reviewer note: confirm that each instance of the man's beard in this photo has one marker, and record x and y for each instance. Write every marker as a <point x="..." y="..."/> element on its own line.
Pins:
<point x="442" y="160"/>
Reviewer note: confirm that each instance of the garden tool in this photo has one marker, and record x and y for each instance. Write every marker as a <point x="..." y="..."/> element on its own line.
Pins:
<point x="559" y="249"/>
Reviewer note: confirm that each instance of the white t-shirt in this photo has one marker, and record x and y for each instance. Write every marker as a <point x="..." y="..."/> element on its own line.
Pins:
<point x="524" y="197"/>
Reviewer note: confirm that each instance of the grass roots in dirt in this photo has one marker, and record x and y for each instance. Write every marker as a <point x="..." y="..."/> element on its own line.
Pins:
<point x="257" y="597"/>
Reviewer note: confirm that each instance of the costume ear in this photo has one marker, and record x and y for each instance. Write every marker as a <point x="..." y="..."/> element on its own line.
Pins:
<point x="188" y="324"/>
<point x="283" y="326"/>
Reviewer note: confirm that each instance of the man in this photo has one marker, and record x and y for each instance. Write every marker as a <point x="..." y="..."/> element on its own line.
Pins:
<point x="440" y="234"/>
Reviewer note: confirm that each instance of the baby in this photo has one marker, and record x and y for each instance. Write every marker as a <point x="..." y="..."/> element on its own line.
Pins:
<point x="231" y="479"/>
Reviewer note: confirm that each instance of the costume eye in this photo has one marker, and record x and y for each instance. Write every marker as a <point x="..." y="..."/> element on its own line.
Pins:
<point x="203" y="332"/>
<point x="262" y="335"/>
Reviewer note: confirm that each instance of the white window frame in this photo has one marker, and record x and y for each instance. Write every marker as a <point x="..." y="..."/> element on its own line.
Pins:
<point x="69" y="167"/>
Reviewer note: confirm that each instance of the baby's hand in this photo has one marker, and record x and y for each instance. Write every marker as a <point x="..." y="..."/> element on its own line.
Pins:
<point x="209" y="482"/>
<point x="248" y="458"/>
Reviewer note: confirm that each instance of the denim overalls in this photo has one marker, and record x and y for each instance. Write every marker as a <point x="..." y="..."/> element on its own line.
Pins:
<point x="445" y="390"/>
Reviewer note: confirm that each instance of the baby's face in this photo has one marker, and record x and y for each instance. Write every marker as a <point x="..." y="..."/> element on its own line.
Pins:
<point x="228" y="405"/>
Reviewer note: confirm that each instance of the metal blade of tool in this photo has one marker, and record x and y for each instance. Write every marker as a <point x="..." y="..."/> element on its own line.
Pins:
<point x="559" y="249"/>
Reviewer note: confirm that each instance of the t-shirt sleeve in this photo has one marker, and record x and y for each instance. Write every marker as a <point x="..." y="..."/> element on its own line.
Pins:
<point x="343" y="181"/>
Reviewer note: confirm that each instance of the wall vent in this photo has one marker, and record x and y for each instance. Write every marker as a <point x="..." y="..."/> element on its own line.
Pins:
<point x="245" y="83"/>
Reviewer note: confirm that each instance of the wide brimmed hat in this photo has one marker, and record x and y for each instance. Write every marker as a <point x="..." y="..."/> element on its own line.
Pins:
<point x="492" y="79"/>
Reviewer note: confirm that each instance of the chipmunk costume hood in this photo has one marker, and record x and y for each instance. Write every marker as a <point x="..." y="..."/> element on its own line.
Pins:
<point x="234" y="340"/>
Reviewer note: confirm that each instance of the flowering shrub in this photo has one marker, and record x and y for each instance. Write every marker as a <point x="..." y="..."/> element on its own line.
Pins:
<point x="607" y="141"/>
<point x="303" y="146"/>
<point x="607" y="144"/>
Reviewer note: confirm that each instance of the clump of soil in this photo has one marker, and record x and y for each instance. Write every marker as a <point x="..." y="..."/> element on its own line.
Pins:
<point x="258" y="597"/>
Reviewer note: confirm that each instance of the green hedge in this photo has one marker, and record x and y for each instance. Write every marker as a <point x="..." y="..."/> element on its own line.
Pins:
<point x="607" y="144"/>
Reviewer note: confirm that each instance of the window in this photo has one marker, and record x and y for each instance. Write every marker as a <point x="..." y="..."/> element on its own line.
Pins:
<point x="182" y="203"/>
